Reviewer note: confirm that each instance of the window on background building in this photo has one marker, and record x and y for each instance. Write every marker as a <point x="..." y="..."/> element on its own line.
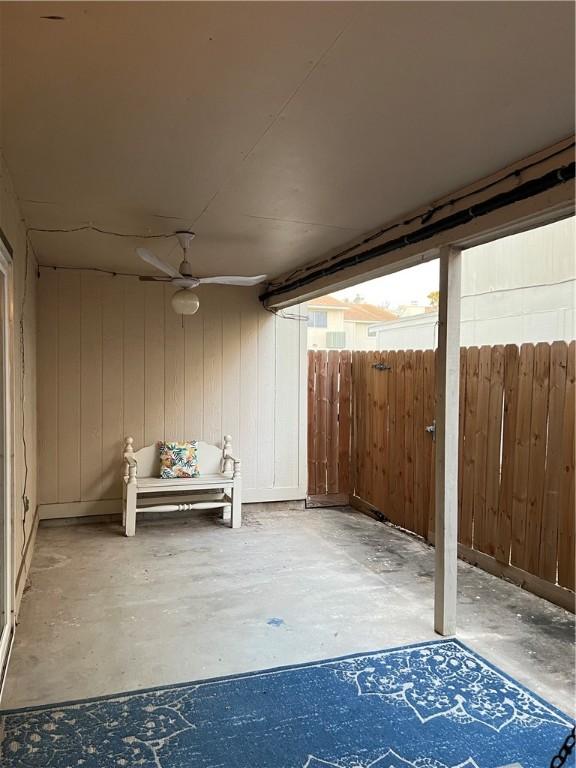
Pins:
<point x="336" y="339"/>
<point x="372" y="332"/>
<point x="317" y="319"/>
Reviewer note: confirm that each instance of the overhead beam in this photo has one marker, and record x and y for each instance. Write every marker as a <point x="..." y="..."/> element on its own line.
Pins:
<point x="533" y="191"/>
<point x="447" y="401"/>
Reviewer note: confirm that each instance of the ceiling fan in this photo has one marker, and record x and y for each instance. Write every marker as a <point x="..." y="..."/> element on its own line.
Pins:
<point x="185" y="301"/>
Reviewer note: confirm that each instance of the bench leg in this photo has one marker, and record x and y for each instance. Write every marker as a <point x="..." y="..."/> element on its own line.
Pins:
<point x="130" y="510"/>
<point x="236" y="516"/>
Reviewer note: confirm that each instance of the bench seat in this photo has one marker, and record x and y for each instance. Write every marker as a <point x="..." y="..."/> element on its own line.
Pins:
<point x="219" y="477"/>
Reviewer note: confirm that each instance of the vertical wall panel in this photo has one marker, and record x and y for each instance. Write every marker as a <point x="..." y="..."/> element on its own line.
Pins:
<point x="112" y="388"/>
<point x="91" y="386"/>
<point x="231" y="359"/>
<point x="173" y="370"/>
<point x="154" y="403"/>
<point x="248" y="396"/>
<point x="194" y="375"/>
<point x="286" y="470"/>
<point x="266" y="387"/>
<point x="212" y="415"/>
<point x="48" y="391"/>
<point x="69" y="386"/>
<point x="134" y="355"/>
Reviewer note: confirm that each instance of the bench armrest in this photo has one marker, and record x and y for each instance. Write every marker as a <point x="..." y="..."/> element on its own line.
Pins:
<point x="130" y="463"/>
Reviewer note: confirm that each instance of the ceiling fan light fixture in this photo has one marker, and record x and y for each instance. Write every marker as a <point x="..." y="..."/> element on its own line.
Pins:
<point x="185" y="302"/>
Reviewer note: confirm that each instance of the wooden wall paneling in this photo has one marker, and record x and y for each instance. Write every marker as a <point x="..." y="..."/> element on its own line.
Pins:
<point x="69" y="386"/>
<point x="112" y="386"/>
<point x="134" y="361"/>
<point x="48" y="398"/>
<point x="154" y="404"/>
<point x="428" y="365"/>
<point x="248" y="396"/>
<point x="322" y="411"/>
<point x="345" y="417"/>
<point x="548" y="558"/>
<point x="420" y="516"/>
<point x="481" y="447"/>
<point x="232" y="372"/>
<point x="194" y="375"/>
<point x="537" y="462"/>
<point x="522" y="455"/>
<point x="566" y="537"/>
<point x="174" y="364"/>
<point x="332" y="422"/>
<point x="212" y="387"/>
<point x="266" y="448"/>
<point x="469" y="452"/>
<point x="494" y="444"/>
<point x="409" y="521"/>
<point x="287" y="417"/>
<point x="510" y="412"/>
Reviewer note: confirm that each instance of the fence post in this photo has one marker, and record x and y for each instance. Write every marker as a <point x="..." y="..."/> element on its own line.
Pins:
<point x="447" y="402"/>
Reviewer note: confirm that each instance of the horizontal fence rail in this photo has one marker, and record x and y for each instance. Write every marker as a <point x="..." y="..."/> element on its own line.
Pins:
<point x="371" y="422"/>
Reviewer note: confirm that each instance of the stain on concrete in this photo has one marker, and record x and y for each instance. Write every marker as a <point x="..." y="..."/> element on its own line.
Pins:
<point x="275" y="622"/>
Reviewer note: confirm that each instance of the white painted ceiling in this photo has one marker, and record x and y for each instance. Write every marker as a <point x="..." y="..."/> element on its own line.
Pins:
<point x="277" y="131"/>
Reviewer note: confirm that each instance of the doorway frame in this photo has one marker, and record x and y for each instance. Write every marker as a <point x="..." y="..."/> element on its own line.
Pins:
<point x="6" y="307"/>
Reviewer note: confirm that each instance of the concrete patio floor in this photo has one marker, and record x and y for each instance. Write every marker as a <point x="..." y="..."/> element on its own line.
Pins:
<point x="189" y="598"/>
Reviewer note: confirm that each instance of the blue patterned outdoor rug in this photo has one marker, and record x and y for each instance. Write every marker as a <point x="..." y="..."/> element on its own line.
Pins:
<point x="431" y="705"/>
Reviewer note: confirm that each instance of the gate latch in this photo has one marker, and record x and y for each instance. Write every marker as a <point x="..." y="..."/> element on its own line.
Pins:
<point x="382" y="366"/>
<point x="431" y="429"/>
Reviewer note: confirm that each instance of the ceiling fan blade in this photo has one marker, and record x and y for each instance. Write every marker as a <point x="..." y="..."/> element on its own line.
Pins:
<point x="233" y="280"/>
<point x="145" y="255"/>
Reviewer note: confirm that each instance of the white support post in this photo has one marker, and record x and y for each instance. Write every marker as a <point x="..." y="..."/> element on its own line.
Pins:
<point x="447" y="403"/>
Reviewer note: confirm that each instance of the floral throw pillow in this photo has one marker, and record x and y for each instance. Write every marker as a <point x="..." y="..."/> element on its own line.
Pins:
<point x="179" y="459"/>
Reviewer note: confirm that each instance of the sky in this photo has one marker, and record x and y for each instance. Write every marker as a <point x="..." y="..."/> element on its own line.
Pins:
<point x="405" y="287"/>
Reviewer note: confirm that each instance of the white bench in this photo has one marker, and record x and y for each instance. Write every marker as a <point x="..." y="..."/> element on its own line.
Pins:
<point x="144" y="489"/>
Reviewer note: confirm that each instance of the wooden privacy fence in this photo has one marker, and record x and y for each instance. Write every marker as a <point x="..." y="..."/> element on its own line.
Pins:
<point x="516" y="468"/>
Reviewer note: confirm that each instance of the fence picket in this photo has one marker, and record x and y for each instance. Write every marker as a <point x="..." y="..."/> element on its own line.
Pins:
<point x="566" y="539"/>
<point x="493" y="448"/>
<point x="312" y="416"/>
<point x="504" y="537"/>
<point x="344" y="418"/>
<point x="468" y="451"/>
<point x="322" y="415"/>
<point x="332" y="421"/>
<point x="548" y="558"/>
<point x="481" y="449"/>
<point x="522" y="455"/>
<point x="537" y="461"/>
